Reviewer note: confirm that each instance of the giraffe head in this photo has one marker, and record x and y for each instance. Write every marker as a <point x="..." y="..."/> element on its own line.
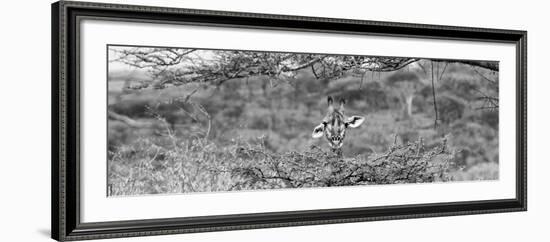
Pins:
<point x="334" y="124"/>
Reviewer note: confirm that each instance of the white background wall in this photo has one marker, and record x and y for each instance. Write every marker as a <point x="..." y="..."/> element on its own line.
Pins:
<point x="25" y="125"/>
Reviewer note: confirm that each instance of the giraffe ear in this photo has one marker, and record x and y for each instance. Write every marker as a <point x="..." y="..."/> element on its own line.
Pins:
<point x="318" y="131"/>
<point x="354" y="121"/>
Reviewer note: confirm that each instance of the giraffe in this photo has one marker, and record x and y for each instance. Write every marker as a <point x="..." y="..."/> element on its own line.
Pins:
<point x="334" y="125"/>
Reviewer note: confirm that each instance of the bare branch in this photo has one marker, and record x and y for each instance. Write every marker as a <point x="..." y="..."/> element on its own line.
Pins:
<point x="490" y="65"/>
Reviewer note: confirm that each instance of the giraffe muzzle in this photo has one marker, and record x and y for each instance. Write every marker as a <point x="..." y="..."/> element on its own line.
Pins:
<point x="336" y="142"/>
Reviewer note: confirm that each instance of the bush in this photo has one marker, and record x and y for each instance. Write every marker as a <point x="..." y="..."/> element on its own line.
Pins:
<point x="199" y="165"/>
<point x="450" y="108"/>
<point x="149" y="166"/>
<point x="409" y="163"/>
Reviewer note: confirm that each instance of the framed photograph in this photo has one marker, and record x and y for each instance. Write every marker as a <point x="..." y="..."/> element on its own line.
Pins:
<point x="170" y="120"/>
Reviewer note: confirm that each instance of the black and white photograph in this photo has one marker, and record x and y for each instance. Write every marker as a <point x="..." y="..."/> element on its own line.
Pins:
<point x="242" y="120"/>
<point x="190" y="120"/>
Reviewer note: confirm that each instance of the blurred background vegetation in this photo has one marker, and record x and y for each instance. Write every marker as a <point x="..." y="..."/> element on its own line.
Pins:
<point x="187" y="120"/>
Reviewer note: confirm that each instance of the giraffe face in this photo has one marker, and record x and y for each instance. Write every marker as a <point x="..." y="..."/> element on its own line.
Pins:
<point x="335" y="124"/>
<point x="335" y="130"/>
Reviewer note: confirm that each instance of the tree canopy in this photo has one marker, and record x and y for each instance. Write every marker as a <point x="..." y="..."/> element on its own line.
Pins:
<point x="170" y="66"/>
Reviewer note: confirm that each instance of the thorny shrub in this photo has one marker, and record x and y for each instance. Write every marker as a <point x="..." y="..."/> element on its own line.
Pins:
<point x="199" y="165"/>
<point x="402" y="163"/>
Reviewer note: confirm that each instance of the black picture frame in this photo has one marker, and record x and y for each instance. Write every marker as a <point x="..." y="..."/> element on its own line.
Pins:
<point x="65" y="219"/>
